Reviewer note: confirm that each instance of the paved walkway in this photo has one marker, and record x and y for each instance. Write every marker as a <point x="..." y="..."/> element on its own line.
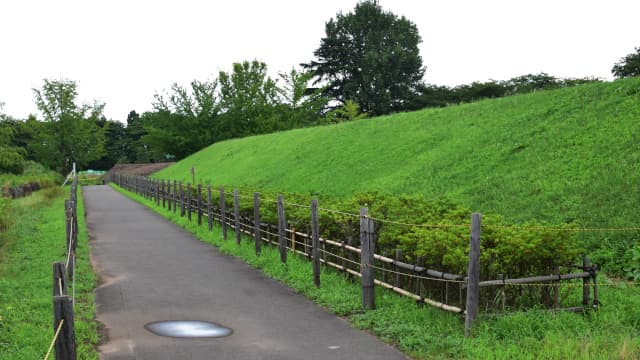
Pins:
<point x="153" y="270"/>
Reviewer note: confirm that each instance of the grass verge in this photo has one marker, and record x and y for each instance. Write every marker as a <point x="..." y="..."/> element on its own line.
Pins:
<point x="30" y="245"/>
<point x="428" y="333"/>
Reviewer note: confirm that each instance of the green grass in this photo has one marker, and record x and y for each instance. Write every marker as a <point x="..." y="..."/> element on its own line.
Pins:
<point x="28" y="249"/>
<point x="563" y="156"/>
<point x="33" y="172"/>
<point x="428" y="333"/>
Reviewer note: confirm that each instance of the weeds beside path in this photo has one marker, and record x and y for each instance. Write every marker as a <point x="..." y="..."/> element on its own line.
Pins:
<point x="28" y="248"/>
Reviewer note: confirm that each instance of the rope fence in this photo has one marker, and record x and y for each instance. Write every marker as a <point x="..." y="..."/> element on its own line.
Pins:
<point x="460" y="293"/>
<point x="63" y="343"/>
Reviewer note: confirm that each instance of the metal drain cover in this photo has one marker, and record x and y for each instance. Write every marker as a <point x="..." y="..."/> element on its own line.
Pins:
<point x="188" y="329"/>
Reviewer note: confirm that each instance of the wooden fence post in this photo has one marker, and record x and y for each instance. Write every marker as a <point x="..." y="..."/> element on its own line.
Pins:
<point x="169" y="195"/>
<point x="236" y="215"/>
<point x="473" y="274"/>
<point x="397" y="268"/>
<point x="256" y="222"/>
<point x="586" y="298"/>
<point x="199" y="203"/>
<point x="68" y="222"/>
<point x="315" y="242"/>
<point x="59" y="279"/>
<point x="164" y="203"/>
<point x="282" y="227"/>
<point x="189" y="201"/>
<point x="181" y="200"/>
<point x="157" y="184"/>
<point x="65" y="345"/>
<point x="175" y="196"/>
<point x="223" y="214"/>
<point x="209" y="209"/>
<point x="367" y="247"/>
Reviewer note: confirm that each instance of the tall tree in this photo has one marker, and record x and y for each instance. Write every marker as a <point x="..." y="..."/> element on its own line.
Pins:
<point x="183" y="121"/>
<point x="70" y="133"/>
<point x="628" y="66"/>
<point x="300" y="106"/>
<point x="248" y="99"/>
<point x="370" y="56"/>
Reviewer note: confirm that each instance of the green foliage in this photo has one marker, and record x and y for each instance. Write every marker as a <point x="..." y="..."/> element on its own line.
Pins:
<point x="299" y="107"/>
<point x="33" y="172"/>
<point x="349" y="111"/>
<point x="183" y="122"/>
<point x="568" y="156"/>
<point x="69" y="132"/>
<point x="11" y="157"/>
<point x="248" y="96"/>
<point x="424" y="332"/>
<point x="444" y="244"/>
<point x="370" y="56"/>
<point x="27" y="250"/>
<point x="438" y="96"/>
<point x="628" y="66"/>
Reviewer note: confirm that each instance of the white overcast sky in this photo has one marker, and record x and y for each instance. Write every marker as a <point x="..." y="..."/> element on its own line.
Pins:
<point x="122" y="52"/>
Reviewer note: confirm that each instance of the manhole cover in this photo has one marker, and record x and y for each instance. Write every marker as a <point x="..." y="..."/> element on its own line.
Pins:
<point x="188" y="329"/>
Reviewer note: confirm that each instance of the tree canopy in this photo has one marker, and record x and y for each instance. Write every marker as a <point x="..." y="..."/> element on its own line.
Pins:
<point x="628" y="66"/>
<point x="69" y="132"/>
<point x="370" y="56"/>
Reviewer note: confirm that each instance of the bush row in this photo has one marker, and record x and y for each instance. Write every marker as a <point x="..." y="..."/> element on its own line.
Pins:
<point x="514" y="251"/>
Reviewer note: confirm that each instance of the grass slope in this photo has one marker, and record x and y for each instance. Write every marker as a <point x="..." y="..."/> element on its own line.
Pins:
<point x="569" y="155"/>
<point x="424" y="332"/>
<point x="27" y="251"/>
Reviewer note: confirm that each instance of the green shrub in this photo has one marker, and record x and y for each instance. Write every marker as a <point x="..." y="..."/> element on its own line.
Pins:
<point x="11" y="161"/>
<point x="515" y="251"/>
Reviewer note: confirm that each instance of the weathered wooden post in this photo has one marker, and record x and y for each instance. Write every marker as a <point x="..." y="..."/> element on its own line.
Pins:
<point x="397" y="268"/>
<point x="223" y="214"/>
<point x="282" y="227"/>
<point x="189" y="201"/>
<point x="181" y="200"/>
<point x="65" y="345"/>
<point x="315" y="242"/>
<point x="199" y="203"/>
<point x="169" y="195"/>
<point x="586" y="298"/>
<point x="236" y="215"/>
<point x="162" y="194"/>
<point x="367" y="247"/>
<point x="473" y="274"/>
<point x="59" y="279"/>
<point x="175" y="196"/>
<point x="157" y="192"/>
<point x="68" y="213"/>
<point x="209" y="209"/>
<point x="256" y="222"/>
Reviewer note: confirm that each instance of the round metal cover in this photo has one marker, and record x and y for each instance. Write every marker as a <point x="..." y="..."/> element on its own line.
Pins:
<point x="188" y="329"/>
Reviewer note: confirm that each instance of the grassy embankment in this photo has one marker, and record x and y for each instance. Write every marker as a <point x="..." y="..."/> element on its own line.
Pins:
<point x="34" y="240"/>
<point x="564" y="156"/>
<point x="428" y="333"/>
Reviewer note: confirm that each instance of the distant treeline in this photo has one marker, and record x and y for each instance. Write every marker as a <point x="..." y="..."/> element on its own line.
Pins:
<point x="438" y="96"/>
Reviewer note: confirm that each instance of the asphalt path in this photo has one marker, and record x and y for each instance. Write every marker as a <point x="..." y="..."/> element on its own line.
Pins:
<point x="152" y="270"/>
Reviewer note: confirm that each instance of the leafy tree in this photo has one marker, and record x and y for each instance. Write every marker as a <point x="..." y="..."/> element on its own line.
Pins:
<point x="628" y="66"/>
<point x="349" y="111"/>
<point x="301" y="106"/>
<point x="115" y="143"/>
<point x="248" y="100"/>
<point x="11" y="157"/>
<point x="370" y="56"/>
<point x="69" y="133"/>
<point x="184" y="121"/>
